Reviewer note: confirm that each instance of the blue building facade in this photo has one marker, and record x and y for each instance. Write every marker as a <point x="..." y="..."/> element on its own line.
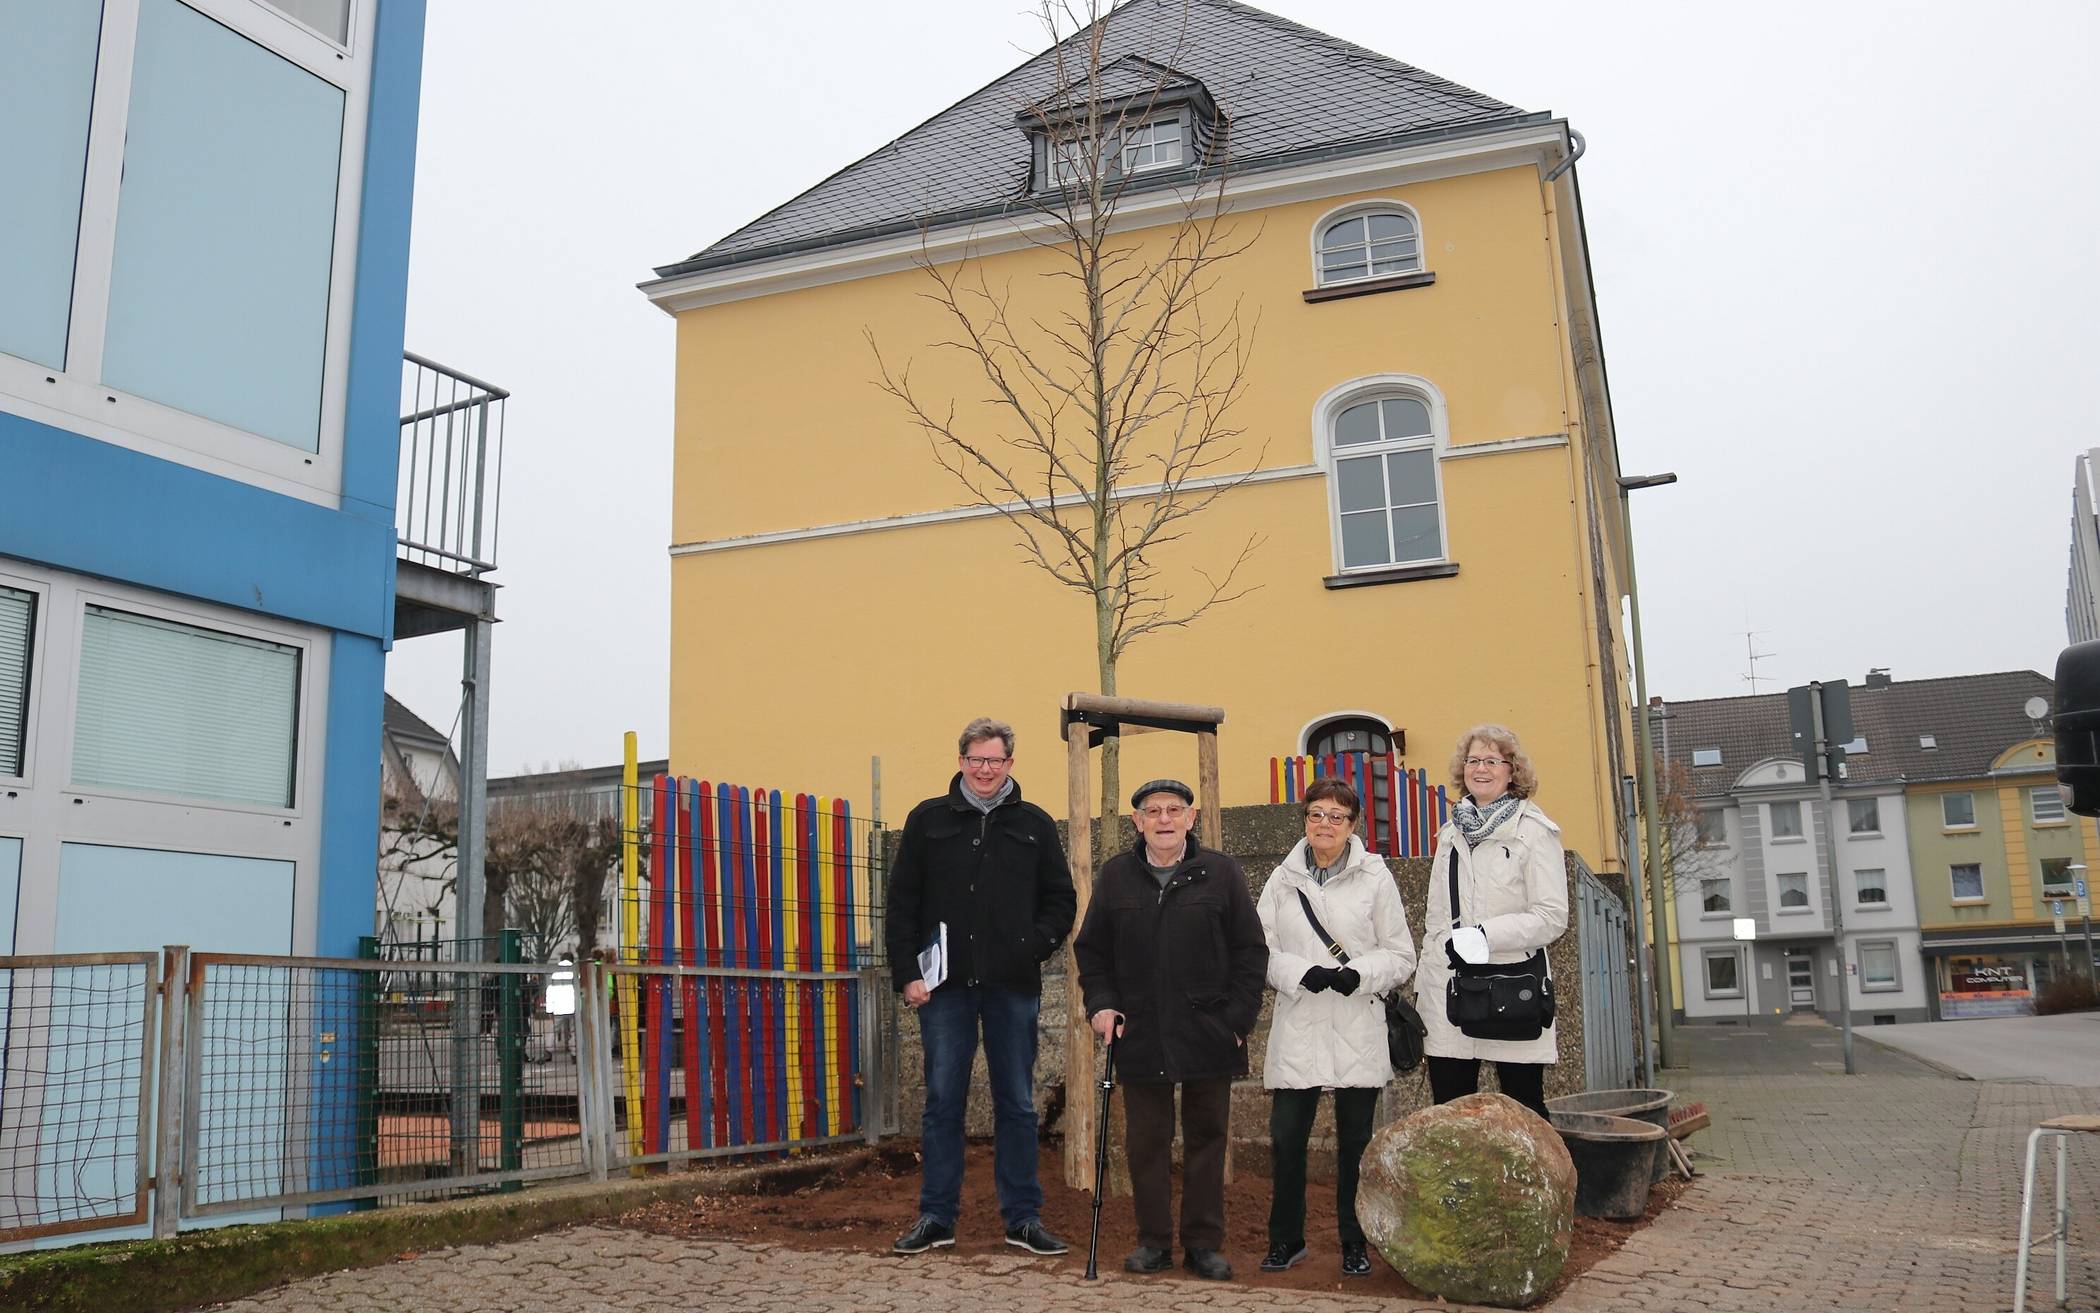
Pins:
<point x="203" y="273"/>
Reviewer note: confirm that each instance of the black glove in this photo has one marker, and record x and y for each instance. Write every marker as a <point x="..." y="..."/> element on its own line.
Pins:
<point x="1345" y="981"/>
<point x="1316" y="979"/>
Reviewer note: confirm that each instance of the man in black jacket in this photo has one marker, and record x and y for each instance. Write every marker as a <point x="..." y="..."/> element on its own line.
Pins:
<point x="982" y="869"/>
<point x="1171" y="961"/>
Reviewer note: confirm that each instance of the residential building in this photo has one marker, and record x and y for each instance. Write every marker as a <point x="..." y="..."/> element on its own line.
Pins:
<point x="1939" y="794"/>
<point x="2082" y="591"/>
<point x="1428" y="469"/>
<point x="418" y="771"/>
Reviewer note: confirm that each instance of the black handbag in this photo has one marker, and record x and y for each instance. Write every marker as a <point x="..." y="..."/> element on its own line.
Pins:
<point x="1496" y="1000"/>
<point x="1404" y="1031"/>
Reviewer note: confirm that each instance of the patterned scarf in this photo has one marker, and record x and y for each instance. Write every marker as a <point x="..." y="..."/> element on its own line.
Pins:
<point x="1476" y="822"/>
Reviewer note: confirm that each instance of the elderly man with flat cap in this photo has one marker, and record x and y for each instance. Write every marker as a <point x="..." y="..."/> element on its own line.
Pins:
<point x="1171" y="961"/>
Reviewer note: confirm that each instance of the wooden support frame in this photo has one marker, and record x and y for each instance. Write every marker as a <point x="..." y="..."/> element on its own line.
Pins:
<point x="1103" y="718"/>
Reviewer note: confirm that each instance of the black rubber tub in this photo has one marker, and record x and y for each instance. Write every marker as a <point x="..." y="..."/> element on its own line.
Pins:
<point x="1651" y="1106"/>
<point x="1614" y="1162"/>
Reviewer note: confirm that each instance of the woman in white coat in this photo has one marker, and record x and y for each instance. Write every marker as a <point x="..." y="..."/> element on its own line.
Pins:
<point x="1328" y="1031"/>
<point x="1513" y="900"/>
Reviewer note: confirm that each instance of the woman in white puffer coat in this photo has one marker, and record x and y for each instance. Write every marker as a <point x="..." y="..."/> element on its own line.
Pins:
<point x="1513" y="900"/>
<point x="1328" y="1031"/>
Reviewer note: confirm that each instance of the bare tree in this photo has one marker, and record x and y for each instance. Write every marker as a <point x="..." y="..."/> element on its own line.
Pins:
<point x="1691" y="854"/>
<point x="1105" y="424"/>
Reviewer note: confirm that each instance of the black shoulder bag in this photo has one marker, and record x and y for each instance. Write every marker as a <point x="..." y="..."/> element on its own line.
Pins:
<point x="1490" y="1000"/>
<point x="1404" y="1031"/>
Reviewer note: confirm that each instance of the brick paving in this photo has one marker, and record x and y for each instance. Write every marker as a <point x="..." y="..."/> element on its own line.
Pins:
<point x="1897" y="1188"/>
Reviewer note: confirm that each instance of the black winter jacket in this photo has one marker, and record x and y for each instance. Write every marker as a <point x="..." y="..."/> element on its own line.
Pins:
<point x="1184" y="965"/>
<point x="999" y="881"/>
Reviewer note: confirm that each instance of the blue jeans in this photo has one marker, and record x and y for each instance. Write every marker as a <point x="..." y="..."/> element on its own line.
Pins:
<point x="948" y="1025"/>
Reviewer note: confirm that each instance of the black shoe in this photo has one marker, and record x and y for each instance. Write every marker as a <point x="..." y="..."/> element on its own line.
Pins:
<point x="1147" y="1260"/>
<point x="1355" y="1261"/>
<point x="1034" y="1237"/>
<point x="925" y="1234"/>
<point x="1283" y="1257"/>
<point x="1208" y="1264"/>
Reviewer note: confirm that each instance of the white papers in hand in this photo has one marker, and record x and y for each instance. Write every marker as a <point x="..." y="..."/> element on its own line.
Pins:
<point x="933" y="959"/>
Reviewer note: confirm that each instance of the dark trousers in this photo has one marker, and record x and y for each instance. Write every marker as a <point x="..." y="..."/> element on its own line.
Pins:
<point x="948" y="1026"/>
<point x="1148" y="1140"/>
<point x="1290" y="1125"/>
<point x="1523" y="1081"/>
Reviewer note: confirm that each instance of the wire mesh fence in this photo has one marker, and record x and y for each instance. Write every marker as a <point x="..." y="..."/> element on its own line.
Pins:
<point x="76" y="1066"/>
<point x="312" y="1080"/>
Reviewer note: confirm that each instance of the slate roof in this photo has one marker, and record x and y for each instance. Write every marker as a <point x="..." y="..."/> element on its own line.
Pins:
<point x="1972" y="718"/>
<point x="1286" y="90"/>
<point x="406" y="725"/>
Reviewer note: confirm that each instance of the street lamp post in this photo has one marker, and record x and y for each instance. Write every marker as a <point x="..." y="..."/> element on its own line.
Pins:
<point x="1665" y="1024"/>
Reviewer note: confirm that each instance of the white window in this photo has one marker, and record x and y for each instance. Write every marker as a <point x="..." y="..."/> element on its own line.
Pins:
<point x="2045" y="805"/>
<point x="2056" y="877"/>
<point x="1877" y="965"/>
<point x="1706" y="756"/>
<point x="177" y="238"/>
<point x="1793" y="891"/>
<point x="171" y="708"/>
<point x="1723" y="974"/>
<point x="1153" y="145"/>
<point x="1928" y="742"/>
<point x="1378" y="244"/>
<point x="1966" y="880"/>
<point x="17" y="628"/>
<point x="1857" y="747"/>
<point x="1715" y="896"/>
<point x="1864" y="815"/>
<point x="1958" y="810"/>
<point x="1871" y="887"/>
<point x="1713" y="827"/>
<point x="1786" y="820"/>
<point x="1388" y="501"/>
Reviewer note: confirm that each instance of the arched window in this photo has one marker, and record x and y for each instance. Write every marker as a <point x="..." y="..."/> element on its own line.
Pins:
<point x="1355" y="733"/>
<point x="1388" y="503"/>
<point x="1375" y="244"/>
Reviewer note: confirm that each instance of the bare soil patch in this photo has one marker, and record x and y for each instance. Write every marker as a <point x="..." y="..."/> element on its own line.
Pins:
<point x="866" y="1206"/>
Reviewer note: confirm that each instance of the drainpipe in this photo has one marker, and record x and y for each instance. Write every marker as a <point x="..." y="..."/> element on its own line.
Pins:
<point x="1665" y="1022"/>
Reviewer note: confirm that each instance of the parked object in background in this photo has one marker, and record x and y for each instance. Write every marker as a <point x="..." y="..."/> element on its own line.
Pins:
<point x="1473" y="1200"/>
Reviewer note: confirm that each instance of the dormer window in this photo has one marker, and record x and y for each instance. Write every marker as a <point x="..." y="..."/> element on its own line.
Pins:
<point x="1141" y="117"/>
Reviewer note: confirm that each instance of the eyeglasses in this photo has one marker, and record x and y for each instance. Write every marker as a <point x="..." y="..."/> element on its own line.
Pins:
<point x="985" y="763"/>
<point x="1156" y="813"/>
<point x="1489" y="762"/>
<point x="1331" y="818"/>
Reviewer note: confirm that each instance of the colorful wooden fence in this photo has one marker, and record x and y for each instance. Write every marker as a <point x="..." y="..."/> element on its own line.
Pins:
<point x="759" y="880"/>
<point x="1403" y="810"/>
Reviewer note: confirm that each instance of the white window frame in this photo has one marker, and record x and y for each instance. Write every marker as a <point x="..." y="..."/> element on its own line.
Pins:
<point x="1808" y="894"/>
<point x="1852" y="829"/>
<point x="54" y="813"/>
<point x="2035" y="797"/>
<point x="39" y="628"/>
<point x="1706" y="757"/>
<point x="1955" y="896"/>
<point x="1125" y="146"/>
<point x="1894" y="984"/>
<point x="1706" y="975"/>
<point x="1115" y="150"/>
<point x="1946" y="823"/>
<point x="2041" y="879"/>
<point x="1883" y="902"/>
<point x="1375" y="387"/>
<point x="1718" y="818"/>
<point x="190" y="614"/>
<point x="1357" y="210"/>
<point x="1800" y="834"/>
<point x="1727" y="891"/>
<point x="75" y="398"/>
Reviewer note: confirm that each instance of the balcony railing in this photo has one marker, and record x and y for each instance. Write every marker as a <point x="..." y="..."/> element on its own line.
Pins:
<point x="451" y="475"/>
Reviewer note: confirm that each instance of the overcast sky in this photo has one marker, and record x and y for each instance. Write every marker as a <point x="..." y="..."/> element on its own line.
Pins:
<point x="1845" y="259"/>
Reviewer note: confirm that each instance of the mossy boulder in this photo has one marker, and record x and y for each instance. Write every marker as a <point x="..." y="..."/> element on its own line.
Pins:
<point x="1473" y="1200"/>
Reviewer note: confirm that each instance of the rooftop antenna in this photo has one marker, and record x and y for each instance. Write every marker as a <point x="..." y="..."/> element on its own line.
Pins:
<point x="1750" y="651"/>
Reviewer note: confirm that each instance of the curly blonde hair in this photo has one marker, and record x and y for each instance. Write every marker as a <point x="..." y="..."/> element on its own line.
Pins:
<point x="1523" y="780"/>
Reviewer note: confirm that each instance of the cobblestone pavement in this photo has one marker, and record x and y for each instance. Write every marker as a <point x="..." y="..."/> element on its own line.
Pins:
<point x="1898" y="1188"/>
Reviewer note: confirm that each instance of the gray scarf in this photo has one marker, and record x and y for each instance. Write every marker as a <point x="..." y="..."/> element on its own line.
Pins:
<point x="1476" y="822"/>
<point x="986" y="805"/>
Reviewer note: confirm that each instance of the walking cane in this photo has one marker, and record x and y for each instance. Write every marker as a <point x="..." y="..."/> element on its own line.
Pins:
<point x="1108" y="1085"/>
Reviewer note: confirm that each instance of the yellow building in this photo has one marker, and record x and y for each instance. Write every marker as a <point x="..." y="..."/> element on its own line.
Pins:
<point x="1448" y="555"/>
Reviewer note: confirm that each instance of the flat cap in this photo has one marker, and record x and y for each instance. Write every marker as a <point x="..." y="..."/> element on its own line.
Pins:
<point x="1150" y="787"/>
